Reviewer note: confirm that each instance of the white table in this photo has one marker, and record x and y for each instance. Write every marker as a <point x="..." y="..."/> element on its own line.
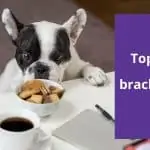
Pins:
<point x="78" y="97"/>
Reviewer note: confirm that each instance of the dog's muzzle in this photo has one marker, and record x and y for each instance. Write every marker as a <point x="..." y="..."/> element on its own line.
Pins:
<point x="41" y="71"/>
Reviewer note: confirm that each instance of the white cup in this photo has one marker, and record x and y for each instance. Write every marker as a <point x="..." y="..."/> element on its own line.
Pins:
<point x="23" y="140"/>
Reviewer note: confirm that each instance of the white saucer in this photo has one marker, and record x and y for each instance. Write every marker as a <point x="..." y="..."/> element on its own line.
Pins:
<point x="44" y="145"/>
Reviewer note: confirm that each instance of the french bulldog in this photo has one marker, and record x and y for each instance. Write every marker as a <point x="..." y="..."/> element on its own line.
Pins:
<point x="46" y="50"/>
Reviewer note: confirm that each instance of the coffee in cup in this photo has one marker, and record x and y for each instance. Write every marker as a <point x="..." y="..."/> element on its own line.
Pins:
<point x="16" y="124"/>
<point x="20" y="130"/>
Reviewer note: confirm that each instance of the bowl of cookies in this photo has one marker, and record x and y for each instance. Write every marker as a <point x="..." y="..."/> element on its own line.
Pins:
<point x="40" y="96"/>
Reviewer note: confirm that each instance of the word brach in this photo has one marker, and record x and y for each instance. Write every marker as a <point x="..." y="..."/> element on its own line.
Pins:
<point x="135" y="85"/>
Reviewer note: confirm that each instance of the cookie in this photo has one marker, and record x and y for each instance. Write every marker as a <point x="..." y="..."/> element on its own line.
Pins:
<point x="52" y="88"/>
<point x="33" y="84"/>
<point x="35" y="99"/>
<point x="54" y="97"/>
<point x="46" y="99"/>
<point x="58" y="91"/>
<point x="27" y="93"/>
<point x="44" y="90"/>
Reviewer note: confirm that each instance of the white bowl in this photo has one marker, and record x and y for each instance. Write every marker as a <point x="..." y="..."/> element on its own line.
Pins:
<point x="41" y="110"/>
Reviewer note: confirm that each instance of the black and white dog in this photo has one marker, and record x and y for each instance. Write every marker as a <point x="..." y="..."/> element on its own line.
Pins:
<point x="46" y="50"/>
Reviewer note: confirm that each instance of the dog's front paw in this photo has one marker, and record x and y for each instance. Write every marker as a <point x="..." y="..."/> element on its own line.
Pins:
<point x="94" y="75"/>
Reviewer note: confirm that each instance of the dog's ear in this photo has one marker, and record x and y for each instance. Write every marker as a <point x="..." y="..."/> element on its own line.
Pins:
<point x="12" y="25"/>
<point x="75" y="24"/>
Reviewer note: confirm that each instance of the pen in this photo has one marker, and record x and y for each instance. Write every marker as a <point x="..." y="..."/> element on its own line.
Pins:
<point x="105" y="114"/>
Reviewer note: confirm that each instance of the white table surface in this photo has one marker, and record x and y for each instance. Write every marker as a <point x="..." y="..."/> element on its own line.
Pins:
<point x="79" y="96"/>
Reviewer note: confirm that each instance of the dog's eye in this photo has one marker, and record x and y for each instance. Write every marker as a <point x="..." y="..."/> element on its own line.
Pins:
<point x="26" y="56"/>
<point x="59" y="58"/>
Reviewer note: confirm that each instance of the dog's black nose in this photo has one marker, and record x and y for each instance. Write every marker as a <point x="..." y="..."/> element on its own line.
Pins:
<point x="41" y="71"/>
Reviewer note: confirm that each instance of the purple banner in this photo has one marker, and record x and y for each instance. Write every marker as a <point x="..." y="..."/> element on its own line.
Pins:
<point x="132" y="55"/>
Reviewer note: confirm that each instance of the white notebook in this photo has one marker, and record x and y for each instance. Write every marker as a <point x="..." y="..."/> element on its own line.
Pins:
<point x="90" y="131"/>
